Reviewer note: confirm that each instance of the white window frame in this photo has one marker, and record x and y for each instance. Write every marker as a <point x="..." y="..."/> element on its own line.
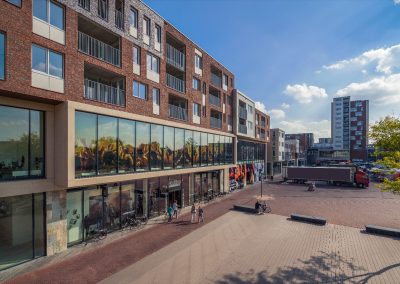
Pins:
<point x="48" y="14"/>
<point x="136" y="13"/>
<point x="153" y="63"/>
<point x="156" y="96"/>
<point x="47" y="73"/>
<point x="198" y="61"/>
<point x="146" y="26"/>
<point x="138" y="55"/>
<point x="158" y="33"/>
<point x="198" y="107"/>
<point x="195" y="82"/>
<point x="139" y="84"/>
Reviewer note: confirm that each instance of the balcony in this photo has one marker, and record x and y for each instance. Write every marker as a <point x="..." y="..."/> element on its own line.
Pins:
<point x="262" y="136"/>
<point x="98" y="49"/>
<point x="216" y="80"/>
<point x="175" y="83"/>
<point x="262" y="124"/>
<point x="177" y="112"/>
<point x="215" y="122"/>
<point x="96" y="91"/>
<point x="242" y="112"/>
<point x="214" y="100"/>
<point x="242" y="129"/>
<point x="175" y="57"/>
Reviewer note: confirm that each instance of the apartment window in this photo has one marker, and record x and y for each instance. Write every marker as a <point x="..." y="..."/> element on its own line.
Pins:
<point x="198" y="61"/>
<point x="158" y="33"/>
<point x="225" y="80"/>
<point x="250" y="109"/>
<point x="196" y="84"/>
<point x="229" y="100"/>
<point x="49" y="12"/>
<point x="204" y="111"/>
<point x="204" y="89"/>
<point x="85" y="4"/>
<point x="156" y="96"/>
<point x="15" y="2"/>
<point x="250" y="125"/>
<point x="146" y="26"/>
<point x="2" y="56"/>
<point x="232" y="82"/>
<point x="139" y="90"/>
<point x="102" y="9"/>
<point x="133" y="18"/>
<point x="196" y="109"/>
<point x="47" y="61"/>
<point x="136" y="55"/>
<point x="153" y="63"/>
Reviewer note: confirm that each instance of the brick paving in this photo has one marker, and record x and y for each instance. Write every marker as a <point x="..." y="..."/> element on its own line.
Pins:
<point x="245" y="248"/>
<point x="342" y="206"/>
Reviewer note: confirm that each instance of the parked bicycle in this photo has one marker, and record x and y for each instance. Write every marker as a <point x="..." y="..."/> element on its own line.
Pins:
<point x="262" y="208"/>
<point x="130" y="221"/>
<point x="97" y="234"/>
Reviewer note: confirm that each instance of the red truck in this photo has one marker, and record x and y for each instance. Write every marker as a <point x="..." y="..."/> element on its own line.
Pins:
<point x="343" y="174"/>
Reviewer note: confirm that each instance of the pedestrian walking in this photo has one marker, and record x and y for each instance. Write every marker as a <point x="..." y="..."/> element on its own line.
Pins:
<point x="193" y="211"/>
<point x="201" y="214"/>
<point x="170" y="213"/>
<point x="175" y="208"/>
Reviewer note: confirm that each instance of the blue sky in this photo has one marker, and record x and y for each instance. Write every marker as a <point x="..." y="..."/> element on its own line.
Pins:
<point x="294" y="56"/>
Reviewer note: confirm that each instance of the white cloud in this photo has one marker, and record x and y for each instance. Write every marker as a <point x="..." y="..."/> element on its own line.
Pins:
<point x="386" y="60"/>
<point x="321" y="129"/>
<point x="276" y="113"/>
<point x="285" y="105"/>
<point x="261" y="107"/>
<point x="381" y="91"/>
<point x="304" y="93"/>
<point x="396" y="2"/>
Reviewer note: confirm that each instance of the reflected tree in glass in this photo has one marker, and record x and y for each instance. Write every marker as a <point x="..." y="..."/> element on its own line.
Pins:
<point x="168" y="147"/>
<point x="188" y="153"/>
<point x="107" y="145"/>
<point x="196" y="149"/>
<point x="85" y="144"/>
<point x="142" y="146"/>
<point x="126" y="145"/>
<point x="179" y="147"/>
<point x="156" y="146"/>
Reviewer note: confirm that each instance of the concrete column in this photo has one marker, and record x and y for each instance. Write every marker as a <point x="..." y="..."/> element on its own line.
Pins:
<point x="56" y="219"/>
<point x="225" y="180"/>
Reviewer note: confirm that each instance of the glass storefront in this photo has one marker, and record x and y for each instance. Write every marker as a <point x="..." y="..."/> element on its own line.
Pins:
<point x="250" y="152"/>
<point x="106" y="145"/>
<point x="22" y="227"/>
<point x="21" y="143"/>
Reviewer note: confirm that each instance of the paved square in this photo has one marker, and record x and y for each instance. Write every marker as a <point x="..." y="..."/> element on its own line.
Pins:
<point x="243" y="248"/>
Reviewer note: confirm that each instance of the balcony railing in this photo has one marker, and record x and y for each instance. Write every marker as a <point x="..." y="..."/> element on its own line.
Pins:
<point x="175" y="83"/>
<point x="175" y="58"/>
<point x="98" y="49"/>
<point x="119" y="19"/>
<point x="214" y="100"/>
<point x="215" y="122"/>
<point x="177" y="112"/>
<point x="242" y="113"/>
<point x="216" y="80"/>
<point x="104" y="93"/>
<point x="242" y="129"/>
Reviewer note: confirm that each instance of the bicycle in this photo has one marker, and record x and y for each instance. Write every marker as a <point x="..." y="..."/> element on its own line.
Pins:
<point x="264" y="208"/>
<point x="97" y="234"/>
<point x="130" y="221"/>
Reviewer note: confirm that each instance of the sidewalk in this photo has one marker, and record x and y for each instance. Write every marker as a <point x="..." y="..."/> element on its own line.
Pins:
<point x="98" y="261"/>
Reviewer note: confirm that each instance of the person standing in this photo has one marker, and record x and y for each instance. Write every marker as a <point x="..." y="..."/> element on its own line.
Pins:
<point x="193" y="211"/>
<point x="175" y="208"/>
<point x="170" y="213"/>
<point x="201" y="214"/>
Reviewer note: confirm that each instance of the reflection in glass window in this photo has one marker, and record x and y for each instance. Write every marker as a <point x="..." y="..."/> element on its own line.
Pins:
<point x="107" y="145"/>
<point x="47" y="61"/>
<point x="126" y="145"/>
<point x="39" y="58"/>
<point x="15" y="140"/>
<point x="229" y="151"/>
<point x="112" y="208"/>
<point x="204" y="149"/>
<point x="216" y="149"/>
<point x="40" y="9"/>
<point x="56" y="64"/>
<point x="49" y="12"/>
<point x="133" y="18"/>
<point x="74" y="217"/>
<point x="93" y="211"/>
<point x="222" y="150"/>
<point x="142" y="146"/>
<point x="85" y="144"/>
<point x="168" y="147"/>
<point x="156" y="154"/>
<point x="56" y="15"/>
<point x="210" y="149"/>
<point x="188" y="153"/>
<point x="2" y="56"/>
<point x="15" y="2"/>
<point x="139" y="90"/>
<point x="196" y="149"/>
<point x="136" y="55"/>
<point x="179" y="147"/>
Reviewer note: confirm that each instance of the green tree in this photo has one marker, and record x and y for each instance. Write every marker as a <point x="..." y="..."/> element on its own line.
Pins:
<point x="386" y="136"/>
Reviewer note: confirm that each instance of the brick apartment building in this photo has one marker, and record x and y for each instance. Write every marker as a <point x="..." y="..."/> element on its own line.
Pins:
<point x="105" y="108"/>
<point x="306" y="141"/>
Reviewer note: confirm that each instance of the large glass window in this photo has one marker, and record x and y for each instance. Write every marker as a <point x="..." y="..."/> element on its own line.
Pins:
<point x="2" y="56"/>
<point x="22" y="229"/>
<point x="216" y="149"/>
<point x="222" y="150"/>
<point x="179" y="147"/>
<point x="93" y="219"/>
<point x="139" y="90"/>
<point x="153" y="63"/>
<point x="156" y="154"/>
<point x="136" y="55"/>
<point x="112" y="208"/>
<point x="74" y="217"/>
<point x="21" y="143"/>
<point x="133" y="18"/>
<point x="146" y="26"/>
<point x="142" y="146"/>
<point x="168" y="147"/>
<point x="47" y="61"/>
<point x="196" y="149"/>
<point x="229" y="151"/>
<point x="157" y="198"/>
<point x="210" y="149"/>
<point x="50" y="12"/>
<point x="85" y="144"/>
<point x="107" y="145"/>
<point x="188" y="148"/>
<point x="204" y="149"/>
<point x="126" y="145"/>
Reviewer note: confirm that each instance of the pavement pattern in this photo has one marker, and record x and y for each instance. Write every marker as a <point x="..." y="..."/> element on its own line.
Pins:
<point x="246" y="248"/>
<point x="91" y="264"/>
